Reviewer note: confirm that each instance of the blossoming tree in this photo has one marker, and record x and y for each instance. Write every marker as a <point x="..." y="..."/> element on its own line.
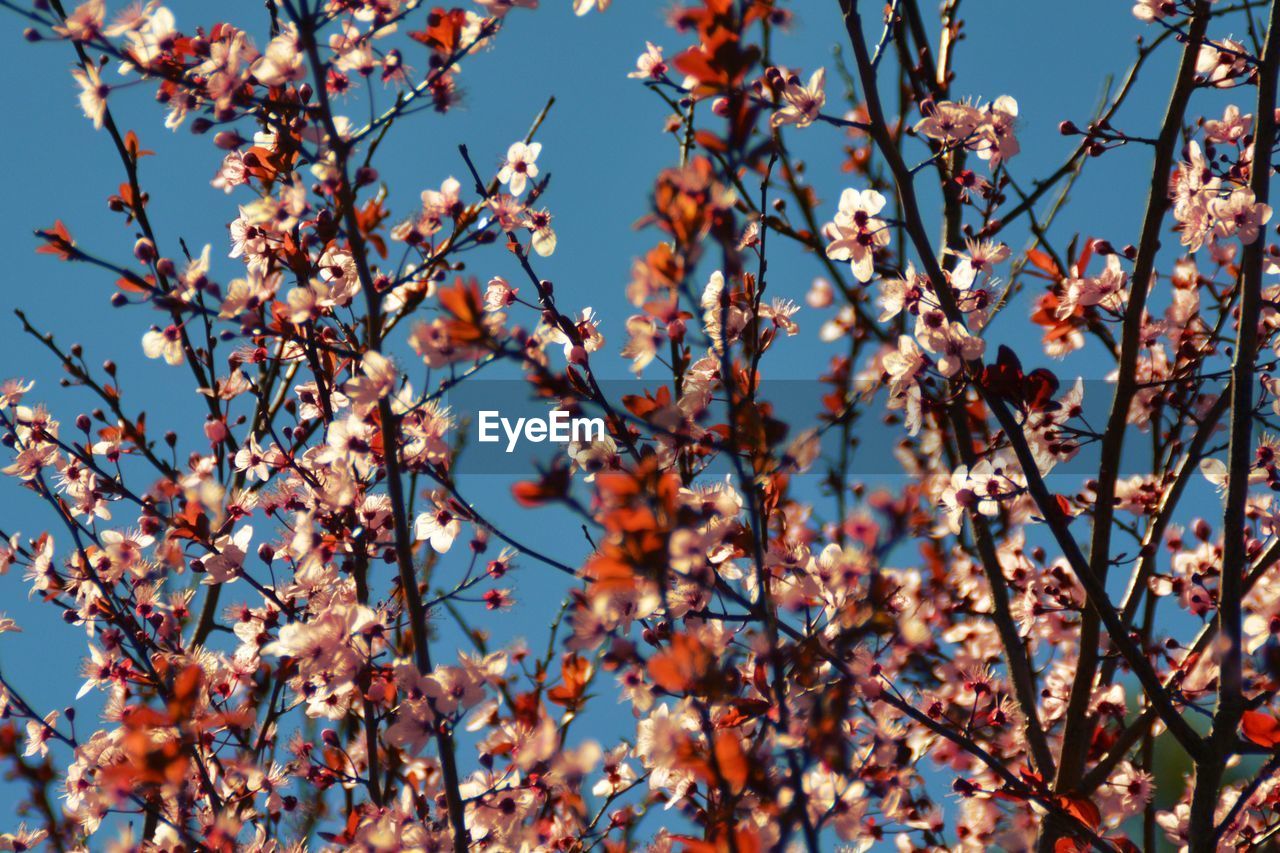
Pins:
<point x="259" y="596"/>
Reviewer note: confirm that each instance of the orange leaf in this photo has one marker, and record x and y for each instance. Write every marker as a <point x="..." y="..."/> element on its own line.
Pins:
<point x="681" y="666"/>
<point x="575" y="672"/>
<point x="131" y="286"/>
<point x="609" y="575"/>
<point x="1042" y="261"/>
<point x="131" y="145"/>
<point x="731" y="760"/>
<point x="57" y="241"/>
<point x="744" y="841"/>
<point x="465" y="307"/>
<point x="140" y="718"/>
<point x="186" y="691"/>
<point x="553" y="485"/>
<point x="444" y="30"/>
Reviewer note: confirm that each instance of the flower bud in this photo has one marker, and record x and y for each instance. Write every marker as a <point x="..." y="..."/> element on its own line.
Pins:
<point x="144" y="250"/>
<point x="215" y="431"/>
<point x="228" y="140"/>
<point x="820" y="294"/>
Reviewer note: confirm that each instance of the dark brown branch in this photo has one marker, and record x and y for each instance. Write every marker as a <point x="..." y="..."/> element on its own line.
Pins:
<point x="1230" y="706"/>
<point x="1079" y="724"/>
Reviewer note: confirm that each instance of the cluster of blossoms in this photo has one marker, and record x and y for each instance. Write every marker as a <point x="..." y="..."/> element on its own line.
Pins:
<point x="806" y="654"/>
<point x="1218" y="210"/>
<point x="986" y="131"/>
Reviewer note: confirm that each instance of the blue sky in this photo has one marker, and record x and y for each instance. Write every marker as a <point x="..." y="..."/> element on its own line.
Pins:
<point x="602" y="144"/>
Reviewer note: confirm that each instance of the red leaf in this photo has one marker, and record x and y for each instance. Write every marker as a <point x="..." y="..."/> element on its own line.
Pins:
<point x="1262" y="729"/>
<point x="1082" y="809"/>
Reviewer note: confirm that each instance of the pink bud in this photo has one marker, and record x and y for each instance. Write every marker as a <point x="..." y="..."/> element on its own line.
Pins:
<point x="215" y="431"/>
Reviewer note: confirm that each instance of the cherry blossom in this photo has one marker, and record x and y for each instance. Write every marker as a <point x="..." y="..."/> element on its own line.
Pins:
<point x="856" y="234"/>
<point x="803" y="102"/>
<point x="650" y="64"/>
<point x="897" y="568"/>
<point x="520" y="166"/>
